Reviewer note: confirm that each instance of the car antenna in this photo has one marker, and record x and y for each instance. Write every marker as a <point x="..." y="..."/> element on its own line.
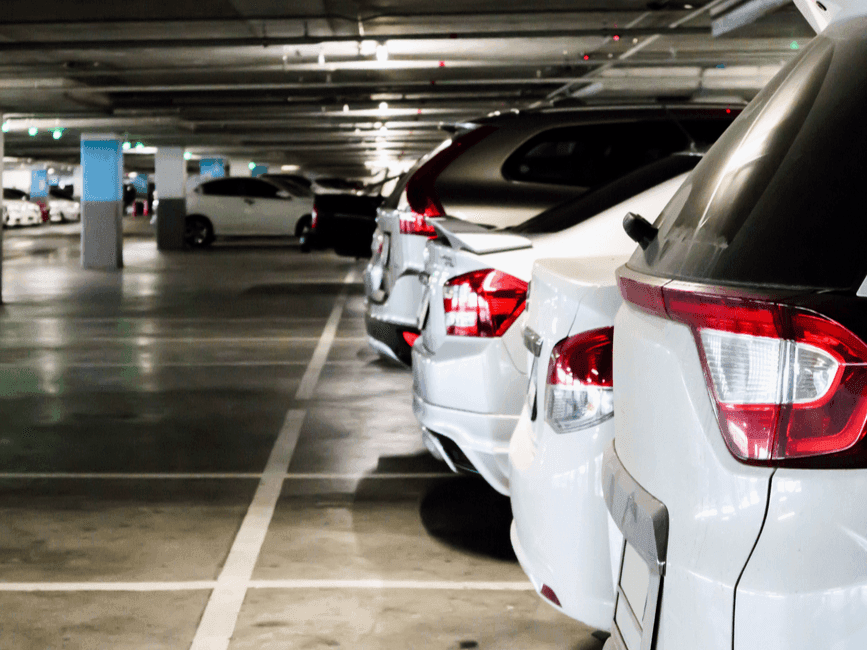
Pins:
<point x="693" y="148"/>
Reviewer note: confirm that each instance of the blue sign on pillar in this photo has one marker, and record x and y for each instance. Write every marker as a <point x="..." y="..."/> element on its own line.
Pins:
<point x="102" y="202"/>
<point x="38" y="183"/>
<point x="258" y="170"/>
<point x="212" y="167"/>
<point x="140" y="183"/>
<point x="53" y="181"/>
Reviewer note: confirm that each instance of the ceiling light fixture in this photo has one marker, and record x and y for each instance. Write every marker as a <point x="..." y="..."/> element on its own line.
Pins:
<point x="383" y="106"/>
<point x="32" y="131"/>
<point x="367" y="48"/>
<point x="57" y="134"/>
<point x="5" y="127"/>
<point x="382" y="52"/>
<point x="187" y="155"/>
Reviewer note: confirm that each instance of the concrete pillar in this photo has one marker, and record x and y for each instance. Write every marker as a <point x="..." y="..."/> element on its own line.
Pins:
<point x="239" y="167"/>
<point x="102" y="202"/>
<point x="1" y="213"/>
<point x="171" y="176"/>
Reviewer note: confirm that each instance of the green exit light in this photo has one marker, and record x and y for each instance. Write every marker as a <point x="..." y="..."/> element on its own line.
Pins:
<point x="32" y="130"/>
<point x="252" y="166"/>
<point x="794" y="45"/>
<point x="187" y="155"/>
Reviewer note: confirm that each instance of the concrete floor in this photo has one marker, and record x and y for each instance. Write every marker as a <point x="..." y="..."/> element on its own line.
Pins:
<point x="201" y="452"/>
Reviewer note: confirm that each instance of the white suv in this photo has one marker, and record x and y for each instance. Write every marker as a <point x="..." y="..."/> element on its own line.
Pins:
<point x="739" y="463"/>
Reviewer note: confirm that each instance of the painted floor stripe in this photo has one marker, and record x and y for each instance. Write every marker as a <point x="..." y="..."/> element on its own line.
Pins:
<point x="320" y="354"/>
<point x="197" y="585"/>
<point x="221" y="613"/>
<point x="186" y="476"/>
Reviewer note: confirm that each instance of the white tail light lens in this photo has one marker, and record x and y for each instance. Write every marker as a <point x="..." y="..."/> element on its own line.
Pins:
<point x="579" y="389"/>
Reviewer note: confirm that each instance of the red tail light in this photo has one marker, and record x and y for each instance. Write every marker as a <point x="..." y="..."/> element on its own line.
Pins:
<point x="786" y="382"/>
<point x="314" y="218"/>
<point x="45" y="212"/>
<point x="548" y="593"/>
<point x="420" y="192"/>
<point x="410" y="337"/>
<point x="412" y="223"/>
<point x="579" y="391"/>
<point x="483" y="303"/>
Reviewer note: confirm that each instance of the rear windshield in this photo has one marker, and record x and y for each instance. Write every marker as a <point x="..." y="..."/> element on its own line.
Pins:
<point x="575" y="211"/>
<point x="779" y="200"/>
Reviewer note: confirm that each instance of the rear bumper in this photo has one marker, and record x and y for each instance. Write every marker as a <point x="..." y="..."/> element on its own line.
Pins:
<point x="387" y="338"/>
<point x="561" y="531"/>
<point x="481" y="437"/>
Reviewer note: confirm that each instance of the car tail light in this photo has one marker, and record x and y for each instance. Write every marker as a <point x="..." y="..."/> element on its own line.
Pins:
<point x="314" y="218"/>
<point x="412" y="223"/>
<point x="420" y="192"/>
<point x="548" y="593"/>
<point x="483" y="303"/>
<point x="410" y="337"/>
<point x="45" y="212"/>
<point x="579" y="389"/>
<point x="787" y="383"/>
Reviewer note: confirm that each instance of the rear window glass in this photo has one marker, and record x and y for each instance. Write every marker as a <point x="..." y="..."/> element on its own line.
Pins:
<point x="779" y="201"/>
<point x="595" y="154"/>
<point x="574" y="211"/>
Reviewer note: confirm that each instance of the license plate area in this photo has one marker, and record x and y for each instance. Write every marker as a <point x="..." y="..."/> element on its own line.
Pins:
<point x="643" y="520"/>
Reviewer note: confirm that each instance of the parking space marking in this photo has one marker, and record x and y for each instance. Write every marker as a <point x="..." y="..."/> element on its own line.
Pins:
<point x="197" y="585"/>
<point x="161" y="476"/>
<point x="221" y="613"/>
<point x="320" y="354"/>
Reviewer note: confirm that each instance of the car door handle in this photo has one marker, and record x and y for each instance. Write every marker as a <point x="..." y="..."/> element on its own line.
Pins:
<point x="249" y="201"/>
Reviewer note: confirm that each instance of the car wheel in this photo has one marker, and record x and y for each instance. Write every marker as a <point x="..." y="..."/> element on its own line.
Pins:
<point x="198" y="232"/>
<point x="304" y="222"/>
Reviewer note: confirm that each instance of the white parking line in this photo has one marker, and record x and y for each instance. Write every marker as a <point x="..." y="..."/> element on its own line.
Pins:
<point x="185" y="476"/>
<point x="196" y="585"/>
<point x="320" y="354"/>
<point x="221" y="613"/>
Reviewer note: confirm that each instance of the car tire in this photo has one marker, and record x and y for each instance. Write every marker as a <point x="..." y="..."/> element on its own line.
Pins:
<point x="198" y="231"/>
<point x="304" y="222"/>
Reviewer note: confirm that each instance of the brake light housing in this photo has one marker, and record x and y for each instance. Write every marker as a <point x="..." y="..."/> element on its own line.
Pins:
<point x="787" y="383"/>
<point x="420" y="190"/>
<point x="483" y="303"/>
<point x="314" y="218"/>
<point x="579" y="391"/>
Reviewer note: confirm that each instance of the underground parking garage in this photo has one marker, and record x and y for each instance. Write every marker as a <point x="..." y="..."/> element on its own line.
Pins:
<point x="201" y="444"/>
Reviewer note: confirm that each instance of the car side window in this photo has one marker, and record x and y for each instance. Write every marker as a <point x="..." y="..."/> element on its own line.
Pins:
<point x="260" y="189"/>
<point x="593" y="154"/>
<point x="223" y="187"/>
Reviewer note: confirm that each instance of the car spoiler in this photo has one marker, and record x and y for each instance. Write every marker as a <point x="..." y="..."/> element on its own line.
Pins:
<point x="472" y="237"/>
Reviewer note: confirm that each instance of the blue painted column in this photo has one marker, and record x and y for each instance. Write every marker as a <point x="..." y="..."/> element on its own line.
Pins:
<point x="102" y="202"/>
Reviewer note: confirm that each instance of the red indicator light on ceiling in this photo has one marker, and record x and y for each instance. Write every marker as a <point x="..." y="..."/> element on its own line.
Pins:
<point x="586" y="57"/>
<point x="728" y="110"/>
<point x="616" y="37"/>
<point x="442" y="64"/>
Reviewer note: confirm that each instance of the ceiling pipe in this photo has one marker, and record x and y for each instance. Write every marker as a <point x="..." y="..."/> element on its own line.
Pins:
<point x="279" y="41"/>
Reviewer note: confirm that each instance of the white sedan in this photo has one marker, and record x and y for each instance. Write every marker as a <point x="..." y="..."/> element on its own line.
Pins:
<point x="561" y="532"/>
<point x="244" y="206"/>
<point x="62" y="208"/>
<point x="18" y="210"/>
<point x="469" y="365"/>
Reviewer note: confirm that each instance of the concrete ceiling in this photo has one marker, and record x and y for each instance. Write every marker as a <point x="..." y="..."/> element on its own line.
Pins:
<point x="301" y="83"/>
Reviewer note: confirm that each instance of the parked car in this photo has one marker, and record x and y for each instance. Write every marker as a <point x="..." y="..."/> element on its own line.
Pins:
<point x="469" y="367"/>
<point x="20" y="210"/>
<point x="501" y="170"/>
<point x="739" y="462"/>
<point x="62" y="207"/>
<point x="561" y="532"/>
<point x="243" y="206"/>
<point x="344" y="221"/>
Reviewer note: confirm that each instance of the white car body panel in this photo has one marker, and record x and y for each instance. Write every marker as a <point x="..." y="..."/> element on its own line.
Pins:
<point x="22" y="213"/>
<point x="64" y="210"/>
<point x="247" y="216"/>
<point x="466" y="389"/>
<point x="806" y="582"/>
<point x="830" y="11"/>
<point x="561" y="528"/>
<point x="667" y="438"/>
